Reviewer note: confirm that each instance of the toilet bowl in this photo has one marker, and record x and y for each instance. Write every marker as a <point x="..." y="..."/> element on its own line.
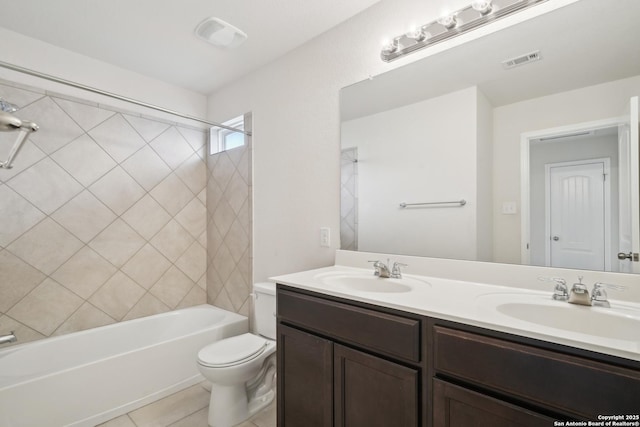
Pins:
<point x="242" y="368"/>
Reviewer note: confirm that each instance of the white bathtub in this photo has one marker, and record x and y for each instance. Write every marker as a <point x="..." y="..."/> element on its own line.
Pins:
<point x="88" y="377"/>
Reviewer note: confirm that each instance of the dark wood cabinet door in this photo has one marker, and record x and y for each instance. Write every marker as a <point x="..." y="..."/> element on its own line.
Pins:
<point x="455" y="406"/>
<point x="305" y="378"/>
<point x="373" y="392"/>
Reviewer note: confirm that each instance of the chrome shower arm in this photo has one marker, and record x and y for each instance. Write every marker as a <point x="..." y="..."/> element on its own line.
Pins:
<point x="9" y="122"/>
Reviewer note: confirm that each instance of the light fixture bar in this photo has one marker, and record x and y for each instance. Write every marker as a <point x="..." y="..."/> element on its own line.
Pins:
<point x="452" y="25"/>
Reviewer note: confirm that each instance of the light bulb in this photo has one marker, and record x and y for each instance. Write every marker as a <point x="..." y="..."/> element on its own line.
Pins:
<point x="389" y="46"/>
<point x="416" y="33"/>
<point x="448" y="21"/>
<point x="482" y="6"/>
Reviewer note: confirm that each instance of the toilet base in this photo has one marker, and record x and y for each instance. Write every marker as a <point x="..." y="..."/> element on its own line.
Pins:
<point x="229" y="406"/>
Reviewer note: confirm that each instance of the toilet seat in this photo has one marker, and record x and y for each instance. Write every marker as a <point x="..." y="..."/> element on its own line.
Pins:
<point x="232" y="351"/>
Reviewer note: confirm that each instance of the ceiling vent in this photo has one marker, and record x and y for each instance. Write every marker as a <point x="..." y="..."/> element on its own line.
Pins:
<point x="220" y="33"/>
<point x="522" y="59"/>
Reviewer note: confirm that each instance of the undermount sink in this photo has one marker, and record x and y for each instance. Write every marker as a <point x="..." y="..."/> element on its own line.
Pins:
<point x="359" y="282"/>
<point x="618" y="323"/>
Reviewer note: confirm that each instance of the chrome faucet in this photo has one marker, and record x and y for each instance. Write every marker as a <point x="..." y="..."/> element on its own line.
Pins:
<point x="579" y="293"/>
<point x="560" y="291"/>
<point x="381" y="269"/>
<point x="395" y="271"/>
<point x="9" y="338"/>
<point x="599" y="294"/>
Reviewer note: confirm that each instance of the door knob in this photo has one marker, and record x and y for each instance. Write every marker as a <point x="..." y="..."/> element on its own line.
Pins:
<point x="622" y="255"/>
<point x="556" y="238"/>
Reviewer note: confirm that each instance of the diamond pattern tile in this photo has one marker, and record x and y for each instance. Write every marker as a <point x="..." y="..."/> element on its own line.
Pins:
<point x="117" y="243"/>
<point x="193" y="262"/>
<point x="149" y="129"/>
<point x="172" y="147"/>
<point x="84" y="160"/>
<point x="193" y="217"/>
<point x="84" y="273"/>
<point x="172" y="287"/>
<point x="193" y="172"/>
<point x="146" y="167"/>
<point x="46" y="307"/>
<point x="18" y="215"/>
<point x="172" y="240"/>
<point x="46" y="246"/>
<point x="146" y="266"/>
<point x="46" y="185"/>
<point x="85" y="216"/>
<point x="117" y="137"/>
<point x="86" y="116"/>
<point x="17" y="279"/>
<point x="172" y="194"/>
<point x="84" y="241"/>
<point x="196" y="138"/>
<point x="117" y="296"/>
<point x="56" y="127"/>
<point x="147" y="217"/>
<point x="117" y="190"/>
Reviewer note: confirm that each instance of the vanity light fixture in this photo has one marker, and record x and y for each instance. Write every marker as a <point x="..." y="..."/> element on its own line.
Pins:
<point x="479" y="13"/>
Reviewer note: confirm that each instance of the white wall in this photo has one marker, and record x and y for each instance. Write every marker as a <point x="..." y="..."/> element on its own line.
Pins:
<point x="582" y="105"/>
<point x="484" y="172"/>
<point x="37" y="55"/>
<point x="295" y="105"/>
<point x="406" y="155"/>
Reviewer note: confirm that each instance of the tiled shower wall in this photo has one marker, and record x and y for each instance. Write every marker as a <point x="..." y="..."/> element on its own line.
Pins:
<point x="349" y="199"/>
<point x="229" y="222"/>
<point x="102" y="219"/>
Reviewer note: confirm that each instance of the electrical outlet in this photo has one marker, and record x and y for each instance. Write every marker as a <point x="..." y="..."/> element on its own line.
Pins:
<point x="325" y="237"/>
<point x="509" y="208"/>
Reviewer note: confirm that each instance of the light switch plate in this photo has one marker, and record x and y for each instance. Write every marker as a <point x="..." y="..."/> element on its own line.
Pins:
<point x="509" y="208"/>
<point x="325" y="237"/>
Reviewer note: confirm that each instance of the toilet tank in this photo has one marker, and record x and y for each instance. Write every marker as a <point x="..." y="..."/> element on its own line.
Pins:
<point x="264" y="309"/>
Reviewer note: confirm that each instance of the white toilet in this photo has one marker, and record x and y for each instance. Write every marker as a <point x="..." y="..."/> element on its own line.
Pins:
<point x="242" y="369"/>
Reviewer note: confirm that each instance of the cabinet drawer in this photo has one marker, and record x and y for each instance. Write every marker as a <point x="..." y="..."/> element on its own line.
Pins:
<point x="388" y="334"/>
<point x="569" y="384"/>
<point x="455" y="406"/>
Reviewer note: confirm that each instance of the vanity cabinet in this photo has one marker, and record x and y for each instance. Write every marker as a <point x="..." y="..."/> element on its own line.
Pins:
<point x="345" y="365"/>
<point x="349" y="364"/>
<point x="517" y="383"/>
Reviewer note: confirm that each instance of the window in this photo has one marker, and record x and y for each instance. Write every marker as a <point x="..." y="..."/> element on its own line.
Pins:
<point x="223" y="139"/>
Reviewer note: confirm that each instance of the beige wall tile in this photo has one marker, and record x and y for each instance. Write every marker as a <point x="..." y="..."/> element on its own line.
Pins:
<point x="193" y="172"/>
<point x="86" y="317"/>
<point x="84" y="160"/>
<point x="22" y="331"/>
<point x="84" y="272"/>
<point x="172" y="240"/>
<point x="46" y="185"/>
<point x="146" y="167"/>
<point x="172" y="287"/>
<point x="117" y="137"/>
<point x="117" y="190"/>
<point x="172" y="194"/>
<point x="46" y="307"/>
<point x="193" y="262"/>
<point x="148" y="129"/>
<point x="85" y="115"/>
<point x="17" y="279"/>
<point x="18" y="215"/>
<point x="193" y="217"/>
<point x="46" y="246"/>
<point x="196" y="296"/>
<point x="117" y="243"/>
<point x="147" y="306"/>
<point x="147" y="266"/>
<point x="56" y="127"/>
<point x="84" y="215"/>
<point x="172" y="147"/>
<point x="147" y="217"/>
<point x="117" y="296"/>
<point x="196" y="138"/>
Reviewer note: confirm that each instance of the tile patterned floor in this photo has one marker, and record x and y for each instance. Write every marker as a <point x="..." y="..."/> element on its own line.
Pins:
<point x="186" y="408"/>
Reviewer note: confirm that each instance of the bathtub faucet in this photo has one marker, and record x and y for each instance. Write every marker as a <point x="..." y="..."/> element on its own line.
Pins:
<point x="10" y="337"/>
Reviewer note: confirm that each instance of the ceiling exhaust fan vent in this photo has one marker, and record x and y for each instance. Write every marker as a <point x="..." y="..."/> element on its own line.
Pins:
<point x="522" y="59"/>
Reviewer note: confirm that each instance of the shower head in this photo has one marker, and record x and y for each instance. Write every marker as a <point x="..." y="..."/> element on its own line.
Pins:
<point x="9" y="122"/>
<point x="7" y="106"/>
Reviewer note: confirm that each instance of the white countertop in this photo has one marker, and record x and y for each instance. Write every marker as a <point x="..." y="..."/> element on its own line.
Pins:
<point x="475" y="304"/>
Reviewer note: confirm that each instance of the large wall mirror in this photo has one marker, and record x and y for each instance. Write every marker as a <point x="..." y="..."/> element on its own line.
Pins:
<point x="460" y="156"/>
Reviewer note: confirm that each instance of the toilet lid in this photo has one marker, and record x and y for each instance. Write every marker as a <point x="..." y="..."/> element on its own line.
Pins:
<point x="232" y="351"/>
